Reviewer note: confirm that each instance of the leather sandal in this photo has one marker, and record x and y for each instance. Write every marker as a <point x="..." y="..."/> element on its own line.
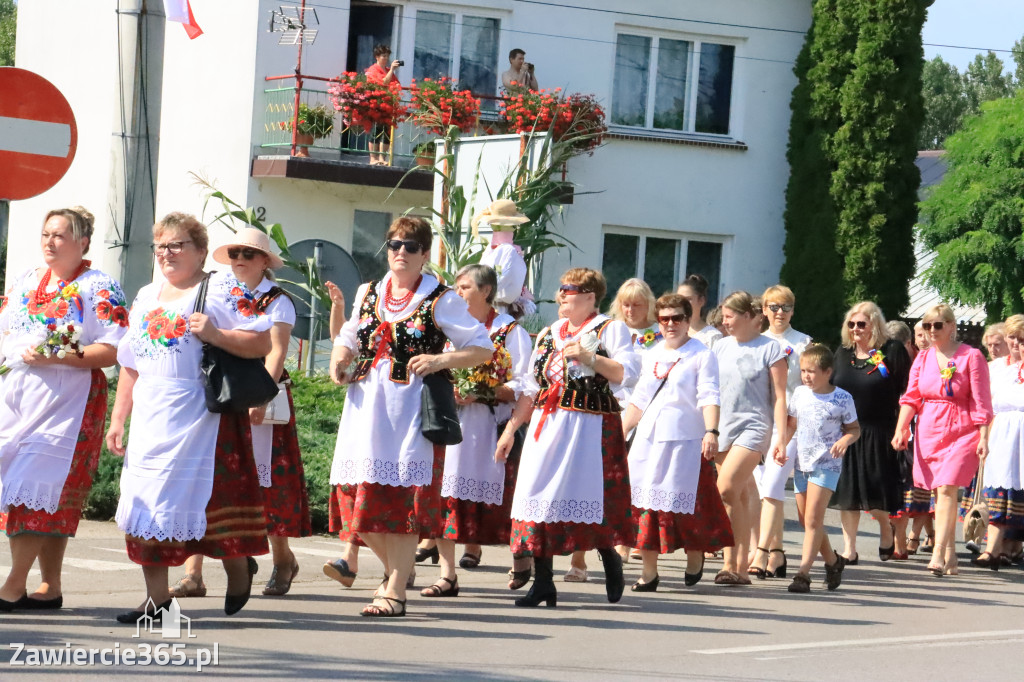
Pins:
<point x="390" y="611"/>
<point x="435" y="590"/>
<point x="576" y="575"/>
<point x="761" y="573"/>
<point x="801" y="584"/>
<point x="469" y="560"/>
<point x="517" y="579"/>
<point x="279" y="588"/>
<point x="189" y="586"/>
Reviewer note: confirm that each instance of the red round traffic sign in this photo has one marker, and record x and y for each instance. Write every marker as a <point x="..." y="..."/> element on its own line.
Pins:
<point x="38" y="135"/>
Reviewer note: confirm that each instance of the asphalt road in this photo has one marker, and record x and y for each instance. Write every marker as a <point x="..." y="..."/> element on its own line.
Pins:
<point x="887" y="621"/>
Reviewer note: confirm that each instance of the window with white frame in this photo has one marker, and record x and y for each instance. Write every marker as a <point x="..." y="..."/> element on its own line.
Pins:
<point x="661" y="259"/>
<point x="369" y="229"/>
<point x="459" y="46"/>
<point x="664" y="83"/>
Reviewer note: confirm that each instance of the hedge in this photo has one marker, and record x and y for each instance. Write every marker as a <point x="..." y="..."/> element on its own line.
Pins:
<point x="318" y="405"/>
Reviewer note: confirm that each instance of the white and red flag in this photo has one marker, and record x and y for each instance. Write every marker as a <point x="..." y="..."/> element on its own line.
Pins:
<point x="181" y="12"/>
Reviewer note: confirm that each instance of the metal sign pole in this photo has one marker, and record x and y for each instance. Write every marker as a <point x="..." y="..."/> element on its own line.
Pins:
<point x="315" y="268"/>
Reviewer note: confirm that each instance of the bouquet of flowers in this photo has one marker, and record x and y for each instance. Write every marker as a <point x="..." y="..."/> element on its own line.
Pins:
<point x="578" y="118"/>
<point x="365" y="102"/>
<point x="61" y="341"/>
<point x="479" y="382"/>
<point x="529" y="111"/>
<point x="436" y="104"/>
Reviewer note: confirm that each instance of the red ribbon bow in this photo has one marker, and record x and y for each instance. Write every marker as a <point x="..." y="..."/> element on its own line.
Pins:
<point x="385" y="336"/>
<point x="550" y="397"/>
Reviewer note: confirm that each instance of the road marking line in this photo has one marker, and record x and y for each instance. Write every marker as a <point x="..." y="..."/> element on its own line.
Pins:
<point x="318" y="552"/>
<point x="98" y="565"/>
<point x="836" y="644"/>
<point x="34" y="137"/>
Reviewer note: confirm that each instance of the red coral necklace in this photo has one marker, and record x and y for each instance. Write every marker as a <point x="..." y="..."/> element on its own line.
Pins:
<point x="397" y="305"/>
<point x="42" y="298"/>
<point x="564" y="334"/>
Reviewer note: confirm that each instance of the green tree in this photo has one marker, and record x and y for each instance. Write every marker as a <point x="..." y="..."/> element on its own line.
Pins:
<point x="974" y="218"/>
<point x="851" y="199"/>
<point x="945" y="103"/>
<point x="986" y="79"/>
<point x="8" y="29"/>
<point x="1018" y="60"/>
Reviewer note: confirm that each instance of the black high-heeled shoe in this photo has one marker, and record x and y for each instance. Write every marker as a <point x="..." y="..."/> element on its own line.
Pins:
<point x="543" y="587"/>
<point x="157" y="614"/>
<point x="691" y="579"/>
<point x="761" y="573"/>
<point x="234" y="603"/>
<point x="649" y="586"/>
<point x="614" y="581"/>
<point x="424" y="554"/>
<point x="779" y="572"/>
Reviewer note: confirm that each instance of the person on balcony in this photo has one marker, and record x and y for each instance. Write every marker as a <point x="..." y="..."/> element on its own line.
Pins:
<point x="388" y="75"/>
<point x="520" y="74"/>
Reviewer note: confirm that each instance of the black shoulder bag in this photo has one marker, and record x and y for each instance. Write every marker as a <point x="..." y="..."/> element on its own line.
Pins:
<point x="232" y="384"/>
<point x="629" y="443"/>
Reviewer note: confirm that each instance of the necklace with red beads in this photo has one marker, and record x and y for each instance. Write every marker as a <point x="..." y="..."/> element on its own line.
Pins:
<point x="397" y="305"/>
<point x="42" y="297"/>
<point x="662" y="376"/>
<point x="564" y="333"/>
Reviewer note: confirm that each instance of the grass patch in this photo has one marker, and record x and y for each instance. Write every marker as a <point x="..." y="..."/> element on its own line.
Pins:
<point x="318" y="405"/>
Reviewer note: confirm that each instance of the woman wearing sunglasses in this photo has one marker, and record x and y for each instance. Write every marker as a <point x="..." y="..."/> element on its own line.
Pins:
<point x="386" y="474"/>
<point x="949" y="391"/>
<point x="275" y="447"/>
<point x="573" y="487"/>
<point x="770" y="561"/>
<point x="873" y="368"/>
<point x="675" y="410"/>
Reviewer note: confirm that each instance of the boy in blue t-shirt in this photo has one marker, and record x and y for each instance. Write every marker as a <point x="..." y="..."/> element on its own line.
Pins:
<point x="825" y="423"/>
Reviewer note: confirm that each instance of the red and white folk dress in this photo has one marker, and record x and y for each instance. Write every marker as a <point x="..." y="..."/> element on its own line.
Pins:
<point x="573" y="487"/>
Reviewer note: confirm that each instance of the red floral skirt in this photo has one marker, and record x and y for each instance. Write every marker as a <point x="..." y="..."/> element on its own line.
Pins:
<point x="235" y="523"/>
<point x="477" y="523"/>
<point x="64" y="521"/>
<point x="707" y="529"/>
<point x="616" y="528"/>
<point x="286" y="502"/>
<point x="380" y="508"/>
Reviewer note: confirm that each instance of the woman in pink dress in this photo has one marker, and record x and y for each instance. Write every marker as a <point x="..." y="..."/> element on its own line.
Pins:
<point x="949" y="392"/>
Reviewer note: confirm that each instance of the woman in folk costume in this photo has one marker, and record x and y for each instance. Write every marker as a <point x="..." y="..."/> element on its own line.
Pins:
<point x="275" y="446"/>
<point x="506" y="258"/>
<point x="675" y="410"/>
<point x="54" y="404"/>
<point x="189" y="482"/>
<point x="387" y="475"/>
<point x="476" y="488"/>
<point x="573" y="487"/>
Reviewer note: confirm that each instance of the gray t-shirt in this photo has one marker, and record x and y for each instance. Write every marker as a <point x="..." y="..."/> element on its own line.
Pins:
<point x="746" y="391"/>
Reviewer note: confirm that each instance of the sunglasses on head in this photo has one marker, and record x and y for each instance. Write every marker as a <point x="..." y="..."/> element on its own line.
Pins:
<point x="928" y="326"/>
<point x="784" y="307"/>
<point x="859" y="324"/>
<point x="245" y="253"/>
<point x="572" y="289"/>
<point x="411" y="246"/>
<point x="667" y="319"/>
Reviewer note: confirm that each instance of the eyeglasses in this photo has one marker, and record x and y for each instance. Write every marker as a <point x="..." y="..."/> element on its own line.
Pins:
<point x="859" y="324"/>
<point x="784" y="307"/>
<point x="672" y="319"/>
<point x="411" y="246"/>
<point x="928" y="326"/>
<point x="172" y="248"/>
<point x="573" y="289"/>
<point x="245" y="253"/>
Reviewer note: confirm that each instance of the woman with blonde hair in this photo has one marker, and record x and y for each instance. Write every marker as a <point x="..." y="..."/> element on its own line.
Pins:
<point x="994" y="341"/>
<point x="948" y="389"/>
<point x="873" y="368"/>
<point x="752" y="372"/>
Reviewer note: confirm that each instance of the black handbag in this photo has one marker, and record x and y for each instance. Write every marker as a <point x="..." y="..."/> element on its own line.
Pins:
<point x="232" y="384"/>
<point x="439" y="417"/>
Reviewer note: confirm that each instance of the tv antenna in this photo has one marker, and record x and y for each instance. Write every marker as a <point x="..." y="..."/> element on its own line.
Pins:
<point x="290" y="22"/>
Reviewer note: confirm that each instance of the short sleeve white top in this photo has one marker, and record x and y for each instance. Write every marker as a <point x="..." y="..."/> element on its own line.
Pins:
<point x="819" y="424"/>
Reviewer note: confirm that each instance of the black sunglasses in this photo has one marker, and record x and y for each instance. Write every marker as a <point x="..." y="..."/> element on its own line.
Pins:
<point x="411" y="246"/>
<point x="928" y="326"/>
<point x="243" y="252"/>
<point x="666" y="319"/>
<point x="784" y="307"/>
<point x="573" y="289"/>
<point x="859" y="324"/>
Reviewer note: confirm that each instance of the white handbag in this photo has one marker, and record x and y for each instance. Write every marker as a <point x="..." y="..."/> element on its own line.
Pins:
<point x="277" y="409"/>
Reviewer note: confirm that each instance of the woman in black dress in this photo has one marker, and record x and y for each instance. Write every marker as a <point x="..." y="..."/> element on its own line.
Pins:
<point x="874" y="369"/>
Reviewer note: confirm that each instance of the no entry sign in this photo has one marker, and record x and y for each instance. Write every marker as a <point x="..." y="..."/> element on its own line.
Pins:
<point x="38" y="136"/>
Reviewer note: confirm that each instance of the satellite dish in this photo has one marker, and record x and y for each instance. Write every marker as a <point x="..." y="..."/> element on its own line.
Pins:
<point x="336" y="265"/>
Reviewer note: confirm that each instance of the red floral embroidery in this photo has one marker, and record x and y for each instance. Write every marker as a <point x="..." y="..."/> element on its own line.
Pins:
<point x="158" y="327"/>
<point x="3" y="303"/>
<point x="56" y="309"/>
<point x="103" y="293"/>
<point x="237" y="291"/>
<point x="33" y="307"/>
<point x="120" y="316"/>
<point x="103" y="309"/>
<point x="245" y="307"/>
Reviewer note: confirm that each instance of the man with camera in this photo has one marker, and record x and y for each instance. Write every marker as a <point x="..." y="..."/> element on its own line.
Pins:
<point x="520" y="73"/>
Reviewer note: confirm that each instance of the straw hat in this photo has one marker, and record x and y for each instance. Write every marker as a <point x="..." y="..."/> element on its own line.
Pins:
<point x="251" y="238"/>
<point x="502" y="212"/>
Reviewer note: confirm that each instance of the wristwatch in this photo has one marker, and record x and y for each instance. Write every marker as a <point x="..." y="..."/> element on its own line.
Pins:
<point x="714" y="431"/>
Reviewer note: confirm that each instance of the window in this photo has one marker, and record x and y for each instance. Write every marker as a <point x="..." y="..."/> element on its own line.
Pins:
<point x="667" y="84"/>
<point x="661" y="261"/>
<point x="462" y="47"/>
<point x="368" y="231"/>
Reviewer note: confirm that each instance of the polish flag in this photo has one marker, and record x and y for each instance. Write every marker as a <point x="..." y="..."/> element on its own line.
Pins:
<point x="181" y="12"/>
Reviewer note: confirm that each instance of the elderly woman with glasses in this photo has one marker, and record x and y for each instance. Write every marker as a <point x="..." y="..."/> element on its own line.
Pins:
<point x="387" y="475"/>
<point x="189" y="482"/>
<point x="573" y="487"/>
<point x="948" y="389"/>
<point x="873" y="368"/>
<point x="54" y="404"/>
